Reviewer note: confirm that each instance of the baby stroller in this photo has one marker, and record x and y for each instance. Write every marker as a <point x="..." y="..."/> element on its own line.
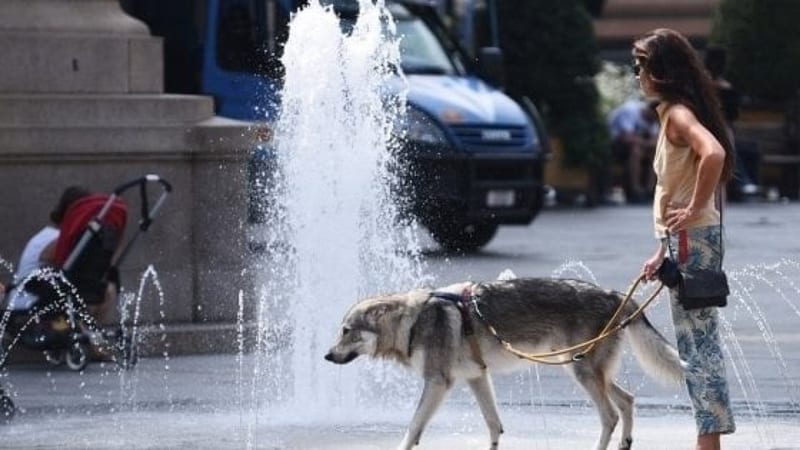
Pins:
<point x="88" y="253"/>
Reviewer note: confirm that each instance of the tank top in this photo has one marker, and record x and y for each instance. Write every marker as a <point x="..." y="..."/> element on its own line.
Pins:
<point x="676" y="174"/>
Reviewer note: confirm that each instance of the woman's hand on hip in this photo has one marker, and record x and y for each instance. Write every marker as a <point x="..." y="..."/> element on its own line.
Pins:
<point x="678" y="216"/>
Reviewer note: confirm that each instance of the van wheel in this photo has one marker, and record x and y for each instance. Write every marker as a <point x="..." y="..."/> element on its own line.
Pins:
<point x="462" y="237"/>
<point x="77" y="356"/>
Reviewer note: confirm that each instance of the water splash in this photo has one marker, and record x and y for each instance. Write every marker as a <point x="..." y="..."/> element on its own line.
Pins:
<point x="574" y="269"/>
<point x="9" y="266"/>
<point x="335" y="212"/>
<point x="753" y="288"/>
<point x="66" y="299"/>
<point x="130" y="322"/>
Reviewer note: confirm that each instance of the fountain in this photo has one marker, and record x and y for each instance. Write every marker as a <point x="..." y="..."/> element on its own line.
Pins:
<point x="334" y="141"/>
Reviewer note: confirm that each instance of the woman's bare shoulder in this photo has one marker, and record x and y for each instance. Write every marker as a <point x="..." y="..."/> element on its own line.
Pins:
<point x="681" y="114"/>
<point x="681" y="120"/>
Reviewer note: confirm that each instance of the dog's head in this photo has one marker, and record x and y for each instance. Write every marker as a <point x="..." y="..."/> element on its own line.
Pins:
<point x="371" y="327"/>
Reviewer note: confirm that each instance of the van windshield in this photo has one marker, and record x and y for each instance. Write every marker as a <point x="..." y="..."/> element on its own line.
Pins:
<point x="248" y="42"/>
<point x="420" y="50"/>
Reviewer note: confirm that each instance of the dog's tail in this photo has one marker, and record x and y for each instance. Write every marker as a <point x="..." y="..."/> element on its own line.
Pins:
<point x="657" y="356"/>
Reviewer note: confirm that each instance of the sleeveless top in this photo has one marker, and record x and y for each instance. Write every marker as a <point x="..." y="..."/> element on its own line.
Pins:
<point x="676" y="170"/>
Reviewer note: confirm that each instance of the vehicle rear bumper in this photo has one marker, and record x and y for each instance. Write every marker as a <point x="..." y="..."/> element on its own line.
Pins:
<point x="497" y="188"/>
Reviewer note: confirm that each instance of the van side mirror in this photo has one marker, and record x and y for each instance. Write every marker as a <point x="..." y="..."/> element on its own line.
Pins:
<point x="492" y="65"/>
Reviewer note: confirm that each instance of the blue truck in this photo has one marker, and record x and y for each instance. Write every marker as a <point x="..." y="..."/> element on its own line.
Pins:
<point x="477" y="156"/>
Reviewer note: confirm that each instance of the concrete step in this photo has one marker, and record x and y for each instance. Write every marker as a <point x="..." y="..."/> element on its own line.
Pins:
<point x="76" y="46"/>
<point x="67" y="63"/>
<point x="218" y="136"/>
<point x="97" y="110"/>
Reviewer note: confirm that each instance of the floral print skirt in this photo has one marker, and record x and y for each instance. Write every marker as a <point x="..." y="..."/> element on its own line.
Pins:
<point x="697" y="334"/>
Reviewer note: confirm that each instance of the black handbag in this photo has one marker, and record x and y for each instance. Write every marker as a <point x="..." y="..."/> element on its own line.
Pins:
<point x="703" y="288"/>
<point x="697" y="288"/>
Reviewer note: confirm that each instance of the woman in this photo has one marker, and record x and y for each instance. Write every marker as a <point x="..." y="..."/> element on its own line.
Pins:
<point x="694" y="158"/>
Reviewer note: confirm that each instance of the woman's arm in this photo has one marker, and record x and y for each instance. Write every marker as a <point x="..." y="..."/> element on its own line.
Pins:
<point x="47" y="256"/>
<point x="683" y="129"/>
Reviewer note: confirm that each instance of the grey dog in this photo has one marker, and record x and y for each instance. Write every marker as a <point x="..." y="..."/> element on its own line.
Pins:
<point x="425" y="331"/>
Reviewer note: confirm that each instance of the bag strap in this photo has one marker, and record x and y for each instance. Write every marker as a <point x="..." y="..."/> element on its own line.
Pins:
<point x="720" y="198"/>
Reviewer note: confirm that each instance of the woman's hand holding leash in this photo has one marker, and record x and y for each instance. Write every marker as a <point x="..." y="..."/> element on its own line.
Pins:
<point x="650" y="268"/>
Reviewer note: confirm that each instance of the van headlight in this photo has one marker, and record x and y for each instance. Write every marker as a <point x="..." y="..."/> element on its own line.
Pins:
<point x="419" y="127"/>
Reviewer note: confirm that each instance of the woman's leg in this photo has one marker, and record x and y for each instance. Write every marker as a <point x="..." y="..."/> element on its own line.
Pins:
<point x="708" y="442"/>
<point x="699" y="344"/>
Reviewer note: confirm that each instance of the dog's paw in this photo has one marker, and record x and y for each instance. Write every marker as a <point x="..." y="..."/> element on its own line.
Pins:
<point x="626" y="443"/>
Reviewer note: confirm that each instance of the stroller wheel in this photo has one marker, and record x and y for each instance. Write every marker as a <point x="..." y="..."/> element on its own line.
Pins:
<point x="7" y="409"/>
<point x="77" y="356"/>
<point x="54" y="357"/>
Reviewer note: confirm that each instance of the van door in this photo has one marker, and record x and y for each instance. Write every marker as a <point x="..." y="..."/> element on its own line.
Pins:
<point x="241" y="67"/>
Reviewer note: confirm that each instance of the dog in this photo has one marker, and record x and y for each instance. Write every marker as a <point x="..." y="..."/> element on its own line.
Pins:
<point x="430" y="331"/>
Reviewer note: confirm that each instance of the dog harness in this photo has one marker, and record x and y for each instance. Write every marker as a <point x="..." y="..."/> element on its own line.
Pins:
<point x="462" y="302"/>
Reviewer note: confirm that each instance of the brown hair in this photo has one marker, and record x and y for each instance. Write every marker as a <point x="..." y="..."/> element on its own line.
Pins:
<point x="68" y="197"/>
<point x="679" y="76"/>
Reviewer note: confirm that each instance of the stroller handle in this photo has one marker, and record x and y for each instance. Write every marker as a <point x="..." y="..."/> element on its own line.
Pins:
<point x="143" y="181"/>
<point x="147" y="214"/>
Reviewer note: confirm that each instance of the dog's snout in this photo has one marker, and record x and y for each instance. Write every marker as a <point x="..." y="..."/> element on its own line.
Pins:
<point x="329" y="357"/>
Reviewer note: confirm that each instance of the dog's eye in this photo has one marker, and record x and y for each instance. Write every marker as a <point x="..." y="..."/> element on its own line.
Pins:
<point x="345" y="331"/>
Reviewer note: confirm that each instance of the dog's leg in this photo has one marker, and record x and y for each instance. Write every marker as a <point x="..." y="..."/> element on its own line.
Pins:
<point x="432" y="395"/>
<point x="593" y="381"/>
<point x="484" y="393"/>
<point x="624" y="402"/>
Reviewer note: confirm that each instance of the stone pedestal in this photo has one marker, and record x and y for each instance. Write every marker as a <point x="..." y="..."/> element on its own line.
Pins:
<point x="82" y="102"/>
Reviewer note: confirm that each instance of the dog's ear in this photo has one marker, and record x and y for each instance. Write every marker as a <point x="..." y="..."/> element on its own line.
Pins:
<point x="384" y="312"/>
<point x="382" y="309"/>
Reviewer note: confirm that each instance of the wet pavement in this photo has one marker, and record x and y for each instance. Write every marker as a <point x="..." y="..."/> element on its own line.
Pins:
<point x="213" y="402"/>
<point x="203" y="402"/>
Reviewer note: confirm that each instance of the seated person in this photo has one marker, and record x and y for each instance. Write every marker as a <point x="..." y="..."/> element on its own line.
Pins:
<point x="634" y="130"/>
<point x="38" y="252"/>
<point x="748" y="155"/>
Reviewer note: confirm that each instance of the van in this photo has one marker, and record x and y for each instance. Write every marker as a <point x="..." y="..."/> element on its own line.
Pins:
<point x="472" y="156"/>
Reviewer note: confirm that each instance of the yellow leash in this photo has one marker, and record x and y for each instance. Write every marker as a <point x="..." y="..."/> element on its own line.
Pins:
<point x="589" y="345"/>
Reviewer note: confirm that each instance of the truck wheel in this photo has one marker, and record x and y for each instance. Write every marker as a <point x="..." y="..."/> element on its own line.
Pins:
<point x="462" y="237"/>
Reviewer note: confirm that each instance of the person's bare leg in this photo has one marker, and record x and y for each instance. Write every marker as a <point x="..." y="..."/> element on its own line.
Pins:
<point x="103" y="313"/>
<point x="635" y="172"/>
<point x="648" y="154"/>
<point x="708" y="442"/>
